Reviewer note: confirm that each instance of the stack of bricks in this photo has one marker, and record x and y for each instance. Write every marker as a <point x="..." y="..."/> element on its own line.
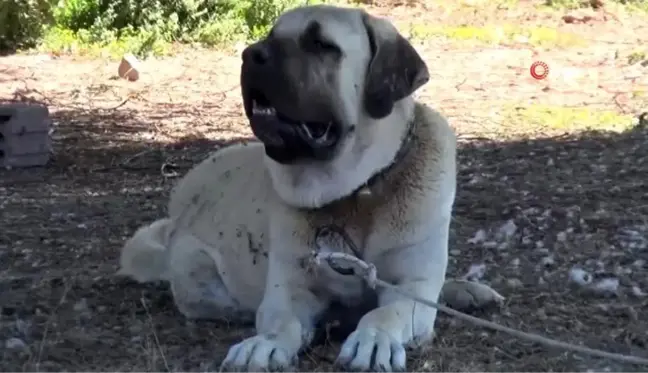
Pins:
<point x="24" y="135"/>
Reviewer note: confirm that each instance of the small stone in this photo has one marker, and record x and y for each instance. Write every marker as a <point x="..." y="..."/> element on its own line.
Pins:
<point x="606" y="286"/>
<point x="476" y="272"/>
<point x="580" y="276"/>
<point x="480" y="236"/>
<point x="579" y="16"/>
<point x="15" y="344"/>
<point x="83" y="310"/>
<point x="568" y="18"/>
<point x="514" y="283"/>
<point x="508" y="229"/>
<point x="81" y="306"/>
<point x="23" y="327"/>
<point x="129" y="68"/>
<point x="637" y="292"/>
<point x="548" y="261"/>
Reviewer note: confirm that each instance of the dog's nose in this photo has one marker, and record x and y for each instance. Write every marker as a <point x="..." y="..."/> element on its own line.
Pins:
<point x="257" y="54"/>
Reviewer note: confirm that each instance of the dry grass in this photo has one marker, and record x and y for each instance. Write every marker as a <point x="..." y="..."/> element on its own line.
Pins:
<point x="576" y="199"/>
<point x="496" y="35"/>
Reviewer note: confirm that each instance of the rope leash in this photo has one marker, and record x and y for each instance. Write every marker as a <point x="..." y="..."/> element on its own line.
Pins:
<point x="368" y="273"/>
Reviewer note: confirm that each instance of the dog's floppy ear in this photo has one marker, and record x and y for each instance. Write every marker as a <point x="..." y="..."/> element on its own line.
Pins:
<point x="395" y="71"/>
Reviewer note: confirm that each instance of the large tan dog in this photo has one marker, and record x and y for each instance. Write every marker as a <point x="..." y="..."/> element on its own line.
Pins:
<point x="328" y="93"/>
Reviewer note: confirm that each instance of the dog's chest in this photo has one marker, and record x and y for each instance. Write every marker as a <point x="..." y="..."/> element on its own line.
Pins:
<point x="348" y="226"/>
<point x="342" y="286"/>
<point x="342" y="230"/>
<point x="349" y="290"/>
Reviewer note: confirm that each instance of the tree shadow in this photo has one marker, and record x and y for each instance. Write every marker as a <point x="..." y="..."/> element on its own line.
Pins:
<point x="92" y="141"/>
<point x="543" y="207"/>
<point x="7" y="51"/>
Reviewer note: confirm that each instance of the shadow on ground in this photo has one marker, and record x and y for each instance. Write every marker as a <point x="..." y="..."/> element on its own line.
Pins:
<point x="526" y="212"/>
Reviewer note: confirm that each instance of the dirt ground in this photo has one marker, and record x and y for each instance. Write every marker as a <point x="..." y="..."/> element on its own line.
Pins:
<point x="534" y="203"/>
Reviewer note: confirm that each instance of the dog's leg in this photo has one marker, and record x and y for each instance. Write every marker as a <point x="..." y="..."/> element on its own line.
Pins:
<point x="379" y="341"/>
<point x="198" y="290"/>
<point x="285" y="321"/>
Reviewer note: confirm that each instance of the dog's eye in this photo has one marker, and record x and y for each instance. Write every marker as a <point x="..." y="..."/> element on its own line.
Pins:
<point x="324" y="46"/>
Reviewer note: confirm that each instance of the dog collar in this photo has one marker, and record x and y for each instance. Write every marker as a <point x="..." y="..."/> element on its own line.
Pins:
<point x="365" y="190"/>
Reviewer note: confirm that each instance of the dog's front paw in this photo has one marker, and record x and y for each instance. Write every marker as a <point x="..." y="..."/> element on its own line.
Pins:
<point x="256" y="354"/>
<point x="370" y="349"/>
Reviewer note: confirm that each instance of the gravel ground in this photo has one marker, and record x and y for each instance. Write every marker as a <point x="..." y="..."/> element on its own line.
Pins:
<point x="538" y="208"/>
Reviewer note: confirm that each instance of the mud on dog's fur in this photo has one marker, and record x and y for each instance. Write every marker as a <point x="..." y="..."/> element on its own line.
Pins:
<point x="328" y="93"/>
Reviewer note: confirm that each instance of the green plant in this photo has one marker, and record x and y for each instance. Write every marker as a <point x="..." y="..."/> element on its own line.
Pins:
<point x="567" y="119"/>
<point x="636" y="56"/>
<point x="260" y="15"/>
<point x="245" y="19"/>
<point x="569" y="4"/>
<point x="22" y="22"/>
<point x="495" y="34"/>
<point x="75" y="14"/>
<point x="210" y="22"/>
<point x="141" y="25"/>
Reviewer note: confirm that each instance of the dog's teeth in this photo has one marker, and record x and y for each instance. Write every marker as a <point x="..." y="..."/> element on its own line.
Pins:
<point x="257" y="110"/>
<point x="306" y="129"/>
<point x="324" y="136"/>
<point x="326" y="131"/>
<point x="320" y="138"/>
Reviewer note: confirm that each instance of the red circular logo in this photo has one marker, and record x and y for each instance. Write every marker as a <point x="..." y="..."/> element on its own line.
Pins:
<point x="539" y="70"/>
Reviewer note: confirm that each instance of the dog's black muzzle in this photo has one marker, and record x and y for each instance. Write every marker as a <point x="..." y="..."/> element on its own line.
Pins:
<point x="275" y="109"/>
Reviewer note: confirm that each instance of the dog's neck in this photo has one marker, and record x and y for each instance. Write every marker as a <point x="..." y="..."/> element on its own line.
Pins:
<point x="366" y="190"/>
<point x="369" y="158"/>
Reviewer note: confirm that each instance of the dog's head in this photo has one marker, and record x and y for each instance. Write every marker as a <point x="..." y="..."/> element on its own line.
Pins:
<point x="317" y="81"/>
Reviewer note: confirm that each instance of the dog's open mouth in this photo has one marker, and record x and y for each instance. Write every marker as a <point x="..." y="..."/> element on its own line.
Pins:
<point x="317" y="133"/>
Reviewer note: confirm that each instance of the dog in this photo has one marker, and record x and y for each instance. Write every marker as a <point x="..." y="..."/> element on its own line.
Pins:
<point x="342" y="143"/>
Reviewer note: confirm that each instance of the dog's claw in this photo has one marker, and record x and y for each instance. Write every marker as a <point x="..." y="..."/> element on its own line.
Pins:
<point x="256" y="354"/>
<point x="371" y="350"/>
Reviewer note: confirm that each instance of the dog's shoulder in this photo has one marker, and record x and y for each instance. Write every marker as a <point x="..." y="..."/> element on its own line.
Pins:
<point x="228" y="171"/>
<point x="426" y="183"/>
<point x="432" y="158"/>
<point x="437" y="136"/>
